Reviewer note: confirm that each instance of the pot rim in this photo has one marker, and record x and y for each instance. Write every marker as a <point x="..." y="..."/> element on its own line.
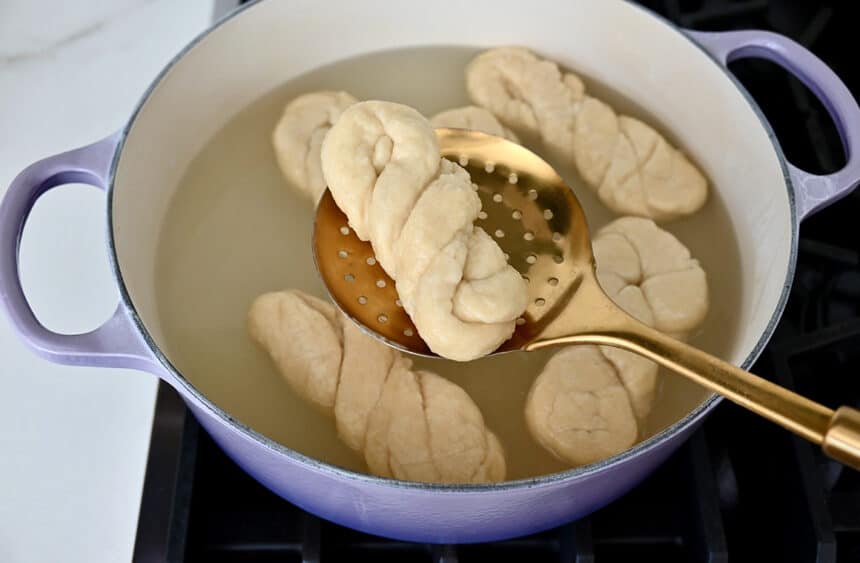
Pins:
<point x="627" y="456"/>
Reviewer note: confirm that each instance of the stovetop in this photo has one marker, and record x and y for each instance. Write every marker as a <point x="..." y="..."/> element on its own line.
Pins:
<point x="740" y="489"/>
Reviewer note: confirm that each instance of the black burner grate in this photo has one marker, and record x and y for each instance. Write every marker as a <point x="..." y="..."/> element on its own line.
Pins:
<point x="673" y="517"/>
<point x="740" y="489"/>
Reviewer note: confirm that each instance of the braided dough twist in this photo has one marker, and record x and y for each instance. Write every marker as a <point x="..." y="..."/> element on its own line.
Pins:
<point x="410" y="425"/>
<point x="382" y="163"/>
<point x="588" y="401"/>
<point x="298" y="136"/>
<point x="633" y="169"/>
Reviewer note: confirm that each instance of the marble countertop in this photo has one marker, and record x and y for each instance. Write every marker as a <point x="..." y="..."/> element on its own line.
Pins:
<point x="73" y="441"/>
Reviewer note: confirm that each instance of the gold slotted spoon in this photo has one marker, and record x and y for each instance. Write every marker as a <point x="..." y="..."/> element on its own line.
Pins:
<point x="537" y="221"/>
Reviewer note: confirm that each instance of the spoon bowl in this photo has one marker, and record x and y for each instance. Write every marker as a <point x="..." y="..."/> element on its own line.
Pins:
<point x="526" y="207"/>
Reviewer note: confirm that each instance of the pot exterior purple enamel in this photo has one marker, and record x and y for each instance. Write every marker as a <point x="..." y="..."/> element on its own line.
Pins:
<point x="434" y="514"/>
<point x="408" y="511"/>
<point x="117" y="343"/>
<point x="812" y="191"/>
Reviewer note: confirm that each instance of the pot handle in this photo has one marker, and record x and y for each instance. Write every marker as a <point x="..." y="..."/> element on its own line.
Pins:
<point x="812" y="191"/>
<point x="116" y="343"/>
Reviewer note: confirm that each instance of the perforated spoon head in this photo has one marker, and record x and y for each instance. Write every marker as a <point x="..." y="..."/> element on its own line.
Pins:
<point x="527" y="209"/>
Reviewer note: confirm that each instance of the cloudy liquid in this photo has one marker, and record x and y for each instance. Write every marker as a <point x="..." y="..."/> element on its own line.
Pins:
<point x="236" y="229"/>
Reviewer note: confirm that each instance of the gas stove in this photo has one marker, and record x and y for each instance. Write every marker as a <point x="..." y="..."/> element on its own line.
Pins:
<point x="741" y="489"/>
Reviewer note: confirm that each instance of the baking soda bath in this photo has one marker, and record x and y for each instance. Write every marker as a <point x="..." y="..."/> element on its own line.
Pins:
<point x="236" y="229"/>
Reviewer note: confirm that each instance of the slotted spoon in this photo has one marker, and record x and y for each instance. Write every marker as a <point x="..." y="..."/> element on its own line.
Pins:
<point x="538" y="222"/>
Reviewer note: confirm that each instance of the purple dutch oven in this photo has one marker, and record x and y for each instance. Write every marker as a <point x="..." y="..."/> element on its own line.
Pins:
<point x="677" y="76"/>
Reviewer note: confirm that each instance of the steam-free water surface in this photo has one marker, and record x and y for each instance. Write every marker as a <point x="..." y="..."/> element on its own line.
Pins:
<point x="236" y="229"/>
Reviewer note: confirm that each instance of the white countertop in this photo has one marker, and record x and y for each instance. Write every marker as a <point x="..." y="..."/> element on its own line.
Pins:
<point x="73" y="441"/>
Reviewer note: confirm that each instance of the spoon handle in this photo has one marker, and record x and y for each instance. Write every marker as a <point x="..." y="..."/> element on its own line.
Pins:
<point x="837" y="432"/>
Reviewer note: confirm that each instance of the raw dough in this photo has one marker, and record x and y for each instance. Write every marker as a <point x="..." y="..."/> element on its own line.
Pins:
<point x="475" y="119"/>
<point x="411" y="425"/>
<point x="578" y="409"/>
<point x="382" y="163"/>
<point x="633" y="169"/>
<point x="574" y="403"/>
<point x="299" y="134"/>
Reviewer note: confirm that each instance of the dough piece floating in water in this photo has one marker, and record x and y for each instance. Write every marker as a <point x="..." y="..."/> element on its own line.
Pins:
<point x="630" y="166"/>
<point x="411" y="425"/>
<point x="298" y="137"/>
<point x="574" y="409"/>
